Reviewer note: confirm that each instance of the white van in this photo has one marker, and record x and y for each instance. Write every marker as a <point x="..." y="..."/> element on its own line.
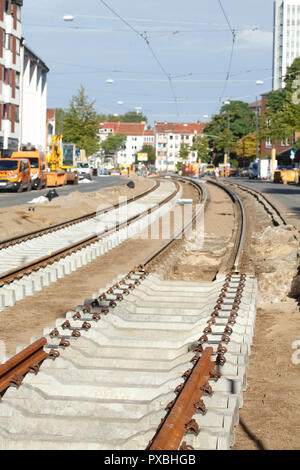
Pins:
<point x="84" y="170"/>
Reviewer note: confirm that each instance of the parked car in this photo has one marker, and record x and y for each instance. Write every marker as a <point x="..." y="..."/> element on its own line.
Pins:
<point x="84" y="170"/>
<point x="15" y="174"/>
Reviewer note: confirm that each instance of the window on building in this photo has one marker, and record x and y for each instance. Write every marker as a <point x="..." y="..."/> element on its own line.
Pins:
<point x="17" y="113"/>
<point x="8" y="42"/>
<point x="18" y="46"/>
<point x="285" y="143"/>
<point x="6" y="111"/>
<point x="6" y="76"/>
<point x="268" y="143"/>
<point x="17" y="79"/>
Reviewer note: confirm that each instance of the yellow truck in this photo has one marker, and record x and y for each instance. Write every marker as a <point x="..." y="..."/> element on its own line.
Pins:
<point x="286" y="175"/>
<point x="126" y="169"/>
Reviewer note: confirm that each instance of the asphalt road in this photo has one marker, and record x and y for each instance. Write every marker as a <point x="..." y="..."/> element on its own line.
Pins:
<point x="287" y="195"/>
<point x="8" y="199"/>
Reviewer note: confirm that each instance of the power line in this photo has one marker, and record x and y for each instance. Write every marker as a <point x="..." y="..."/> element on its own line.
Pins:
<point x="146" y="39"/>
<point x="233" y="32"/>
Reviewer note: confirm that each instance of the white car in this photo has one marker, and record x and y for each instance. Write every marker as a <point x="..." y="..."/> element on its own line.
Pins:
<point x="84" y="170"/>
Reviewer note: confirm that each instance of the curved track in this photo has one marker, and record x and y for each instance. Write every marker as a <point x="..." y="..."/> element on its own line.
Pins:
<point x="145" y="363"/>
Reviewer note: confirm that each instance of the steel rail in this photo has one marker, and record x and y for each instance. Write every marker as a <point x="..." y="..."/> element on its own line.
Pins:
<point x="19" y="272"/>
<point x="29" y="359"/>
<point x="188" y="401"/>
<point x="272" y="210"/>
<point x="179" y="420"/>
<point x="37" y="233"/>
<point x="205" y="197"/>
<point x="241" y="239"/>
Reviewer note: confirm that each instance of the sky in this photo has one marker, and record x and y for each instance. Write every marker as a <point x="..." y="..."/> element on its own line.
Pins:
<point x="171" y="60"/>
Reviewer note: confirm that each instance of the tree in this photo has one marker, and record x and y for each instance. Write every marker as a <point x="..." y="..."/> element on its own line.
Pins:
<point x="225" y="142"/>
<point x="130" y="116"/>
<point x="282" y="118"/>
<point x="236" y="116"/>
<point x="59" y="120"/>
<point x="81" y="124"/>
<point x="113" y="143"/>
<point x="201" y="146"/>
<point x="234" y="121"/>
<point x="246" y="146"/>
<point x="150" y="150"/>
<point x="184" y="151"/>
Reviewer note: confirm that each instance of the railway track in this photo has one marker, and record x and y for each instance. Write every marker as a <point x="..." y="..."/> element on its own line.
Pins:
<point x="38" y="259"/>
<point x="145" y="363"/>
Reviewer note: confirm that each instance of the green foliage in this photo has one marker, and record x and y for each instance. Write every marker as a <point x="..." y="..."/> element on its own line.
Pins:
<point x="234" y="121"/>
<point x="113" y="143"/>
<point x="80" y="123"/>
<point x="179" y="166"/>
<point x="150" y="150"/>
<point x="59" y="120"/>
<point x="226" y="141"/>
<point x="237" y="116"/>
<point x="130" y="116"/>
<point x="283" y="107"/>
<point x="184" y="151"/>
<point x="234" y="162"/>
<point x="297" y="145"/>
<point x="201" y="146"/>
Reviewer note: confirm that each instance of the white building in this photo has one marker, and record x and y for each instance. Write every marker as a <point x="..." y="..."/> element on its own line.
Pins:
<point x="10" y="75"/>
<point x="135" y="138"/>
<point x="33" y="100"/>
<point x="286" y="46"/>
<point x="169" y="137"/>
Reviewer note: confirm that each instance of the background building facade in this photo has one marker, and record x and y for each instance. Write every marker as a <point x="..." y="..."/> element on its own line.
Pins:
<point x="169" y="137"/>
<point x="10" y="75"/>
<point x="33" y="100"/>
<point x="286" y="46"/>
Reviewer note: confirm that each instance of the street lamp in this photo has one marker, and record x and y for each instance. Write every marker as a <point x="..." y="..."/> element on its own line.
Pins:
<point x="258" y="82"/>
<point x="226" y="157"/>
<point x="68" y="18"/>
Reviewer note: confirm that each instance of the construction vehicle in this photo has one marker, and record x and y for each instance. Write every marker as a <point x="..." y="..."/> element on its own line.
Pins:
<point x="126" y="169"/>
<point x="61" y="163"/>
<point x="286" y="174"/>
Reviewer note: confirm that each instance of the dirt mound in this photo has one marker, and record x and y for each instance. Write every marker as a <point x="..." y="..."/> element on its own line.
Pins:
<point x="25" y="218"/>
<point x="276" y="259"/>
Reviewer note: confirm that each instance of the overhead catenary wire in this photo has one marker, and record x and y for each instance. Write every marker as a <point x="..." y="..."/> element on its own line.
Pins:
<point x="233" y="32"/>
<point x="144" y="36"/>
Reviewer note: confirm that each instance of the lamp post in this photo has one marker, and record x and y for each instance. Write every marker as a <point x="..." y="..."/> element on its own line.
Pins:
<point x="258" y="82"/>
<point x="226" y="156"/>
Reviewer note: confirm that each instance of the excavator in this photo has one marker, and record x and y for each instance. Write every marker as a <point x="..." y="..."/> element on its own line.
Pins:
<point x="60" y="173"/>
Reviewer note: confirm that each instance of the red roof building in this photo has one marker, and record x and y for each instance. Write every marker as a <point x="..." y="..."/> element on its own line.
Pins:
<point x="134" y="138"/>
<point x="169" y="137"/>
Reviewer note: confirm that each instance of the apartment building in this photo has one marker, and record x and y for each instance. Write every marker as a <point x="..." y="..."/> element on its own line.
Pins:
<point x="149" y="137"/>
<point x="10" y="75"/>
<point x="168" y="140"/>
<point x="135" y="138"/>
<point x="286" y="43"/>
<point x="33" y="100"/>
